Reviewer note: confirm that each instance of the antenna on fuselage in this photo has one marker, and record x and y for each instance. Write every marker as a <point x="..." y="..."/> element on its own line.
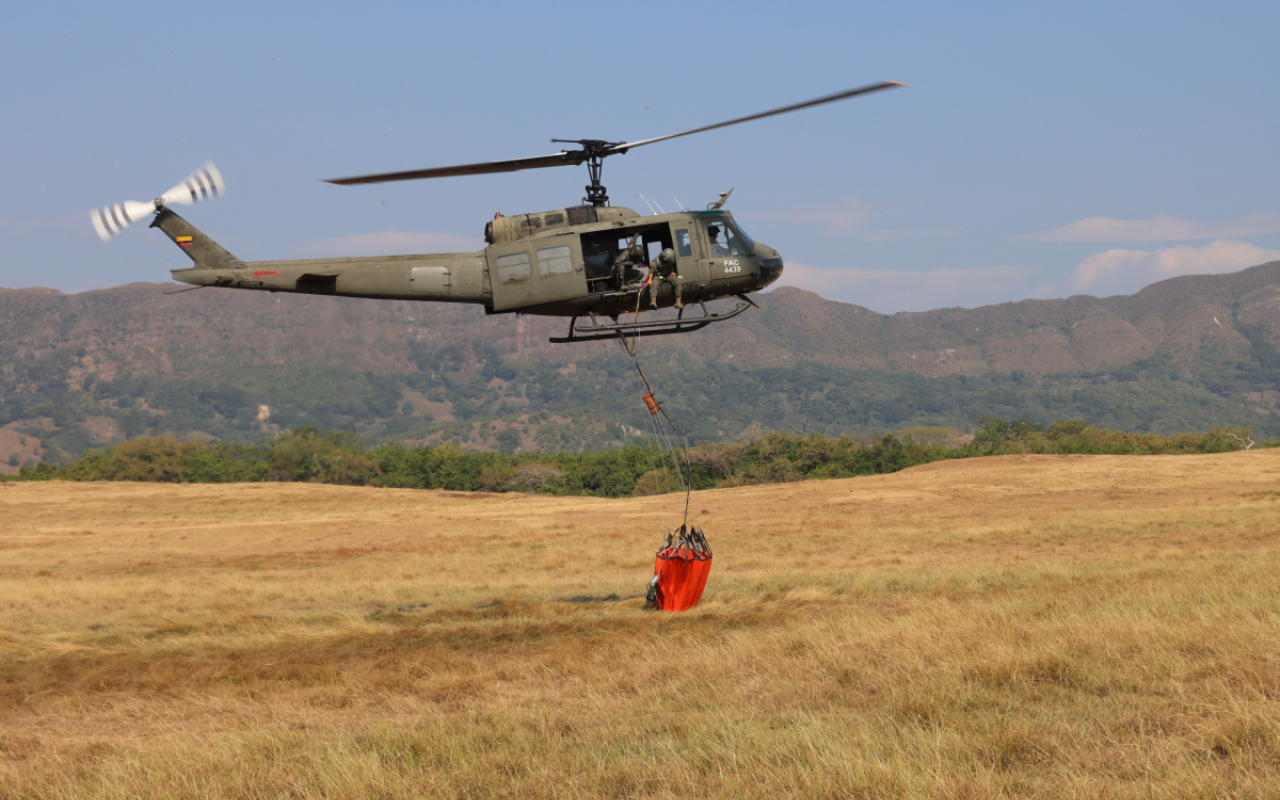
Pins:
<point x="717" y="205"/>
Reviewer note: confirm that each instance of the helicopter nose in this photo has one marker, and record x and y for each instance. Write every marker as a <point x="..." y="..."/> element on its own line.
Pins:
<point x="770" y="262"/>
<point x="770" y="270"/>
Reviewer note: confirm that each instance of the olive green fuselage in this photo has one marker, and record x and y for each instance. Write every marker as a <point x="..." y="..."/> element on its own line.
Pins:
<point x="559" y="263"/>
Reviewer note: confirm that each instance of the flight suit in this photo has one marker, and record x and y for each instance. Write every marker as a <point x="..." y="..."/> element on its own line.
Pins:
<point x="633" y="256"/>
<point x="665" y="269"/>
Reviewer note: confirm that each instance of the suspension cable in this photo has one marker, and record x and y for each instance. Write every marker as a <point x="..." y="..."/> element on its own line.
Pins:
<point x="655" y="408"/>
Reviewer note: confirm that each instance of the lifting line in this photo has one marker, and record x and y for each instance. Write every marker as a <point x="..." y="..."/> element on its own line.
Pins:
<point x="664" y="439"/>
<point x="665" y="445"/>
<point x="684" y="561"/>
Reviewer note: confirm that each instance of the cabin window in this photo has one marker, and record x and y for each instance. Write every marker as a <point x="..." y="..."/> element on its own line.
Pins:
<point x="683" y="245"/>
<point x="513" y="267"/>
<point x="554" y="261"/>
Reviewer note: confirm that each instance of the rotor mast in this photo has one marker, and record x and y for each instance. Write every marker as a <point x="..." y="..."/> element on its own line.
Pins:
<point x="593" y="152"/>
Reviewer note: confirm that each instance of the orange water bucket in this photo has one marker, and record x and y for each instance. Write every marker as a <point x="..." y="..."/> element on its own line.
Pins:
<point x="682" y="575"/>
<point x="681" y="570"/>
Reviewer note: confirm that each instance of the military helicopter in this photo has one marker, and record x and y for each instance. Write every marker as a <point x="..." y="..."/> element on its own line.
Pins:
<point x="591" y="260"/>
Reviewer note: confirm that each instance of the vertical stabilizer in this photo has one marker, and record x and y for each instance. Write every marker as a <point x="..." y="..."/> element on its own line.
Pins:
<point x="206" y="253"/>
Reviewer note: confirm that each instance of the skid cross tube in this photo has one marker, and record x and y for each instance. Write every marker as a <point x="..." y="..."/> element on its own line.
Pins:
<point x="597" y="332"/>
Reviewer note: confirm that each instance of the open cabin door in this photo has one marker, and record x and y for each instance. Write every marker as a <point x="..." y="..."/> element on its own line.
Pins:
<point x="609" y="270"/>
<point x="533" y="273"/>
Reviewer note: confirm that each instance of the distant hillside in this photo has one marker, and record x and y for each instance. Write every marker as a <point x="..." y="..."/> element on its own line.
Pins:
<point x="92" y="368"/>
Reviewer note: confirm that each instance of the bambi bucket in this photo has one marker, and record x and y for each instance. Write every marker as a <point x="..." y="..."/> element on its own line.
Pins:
<point x="682" y="568"/>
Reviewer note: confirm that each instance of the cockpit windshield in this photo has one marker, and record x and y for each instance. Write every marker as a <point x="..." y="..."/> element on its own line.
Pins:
<point x="747" y="240"/>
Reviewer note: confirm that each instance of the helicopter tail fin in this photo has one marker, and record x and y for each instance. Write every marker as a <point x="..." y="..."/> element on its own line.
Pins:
<point x="205" y="252"/>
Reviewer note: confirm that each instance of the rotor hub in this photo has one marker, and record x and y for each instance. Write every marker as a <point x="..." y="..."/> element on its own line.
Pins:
<point x="593" y="152"/>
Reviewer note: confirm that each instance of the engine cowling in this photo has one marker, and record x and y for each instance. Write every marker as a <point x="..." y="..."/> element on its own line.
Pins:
<point x="503" y="230"/>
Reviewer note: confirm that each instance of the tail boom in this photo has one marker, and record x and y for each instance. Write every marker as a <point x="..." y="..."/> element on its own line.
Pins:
<point x="448" y="277"/>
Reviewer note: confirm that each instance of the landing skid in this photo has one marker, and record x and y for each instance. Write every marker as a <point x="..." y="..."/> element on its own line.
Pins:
<point x="596" y="331"/>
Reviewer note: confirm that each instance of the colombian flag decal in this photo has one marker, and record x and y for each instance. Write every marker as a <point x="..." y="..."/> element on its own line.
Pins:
<point x="183" y="241"/>
<point x="267" y="272"/>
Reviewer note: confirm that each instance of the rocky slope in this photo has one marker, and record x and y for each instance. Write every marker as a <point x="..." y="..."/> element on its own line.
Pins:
<point x="85" y="369"/>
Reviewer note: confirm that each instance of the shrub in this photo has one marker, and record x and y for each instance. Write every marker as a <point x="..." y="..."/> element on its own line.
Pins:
<point x="308" y="454"/>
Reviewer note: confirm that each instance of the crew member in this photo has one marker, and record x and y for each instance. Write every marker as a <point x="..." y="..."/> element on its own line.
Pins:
<point x="665" y="269"/>
<point x="717" y="249"/>
<point x="633" y="256"/>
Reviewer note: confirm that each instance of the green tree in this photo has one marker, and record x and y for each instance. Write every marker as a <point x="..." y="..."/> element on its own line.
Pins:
<point x="306" y="454"/>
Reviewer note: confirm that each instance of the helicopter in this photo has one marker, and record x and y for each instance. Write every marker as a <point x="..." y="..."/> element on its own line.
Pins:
<point x="592" y="260"/>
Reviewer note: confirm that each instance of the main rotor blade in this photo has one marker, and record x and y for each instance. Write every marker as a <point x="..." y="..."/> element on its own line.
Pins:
<point x="563" y="158"/>
<point x="831" y="98"/>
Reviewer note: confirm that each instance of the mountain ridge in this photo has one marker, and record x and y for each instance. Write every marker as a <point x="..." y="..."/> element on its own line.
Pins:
<point x="1018" y="335"/>
<point x="105" y="364"/>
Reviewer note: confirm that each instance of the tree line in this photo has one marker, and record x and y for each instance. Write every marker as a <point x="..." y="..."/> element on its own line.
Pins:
<point x="312" y="455"/>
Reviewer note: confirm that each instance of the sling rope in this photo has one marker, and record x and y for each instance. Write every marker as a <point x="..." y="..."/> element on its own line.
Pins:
<point x="683" y="563"/>
<point x="665" y="445"/>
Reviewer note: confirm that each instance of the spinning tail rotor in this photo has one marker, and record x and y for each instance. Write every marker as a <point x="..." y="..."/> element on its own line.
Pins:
<point x="204" y="183"/>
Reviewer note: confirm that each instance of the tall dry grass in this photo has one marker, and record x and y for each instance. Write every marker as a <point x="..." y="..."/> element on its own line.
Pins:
<point x="1025" y="626"/>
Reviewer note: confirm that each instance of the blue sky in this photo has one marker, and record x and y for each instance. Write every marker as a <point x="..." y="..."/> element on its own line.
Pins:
<point x="1041" y="149"/>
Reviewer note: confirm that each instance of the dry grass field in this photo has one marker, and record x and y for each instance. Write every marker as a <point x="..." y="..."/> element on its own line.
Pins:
<point x="1023" y="626"/>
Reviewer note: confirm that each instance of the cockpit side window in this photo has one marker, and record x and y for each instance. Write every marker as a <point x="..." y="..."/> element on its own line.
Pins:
<point x="724" y="239"/>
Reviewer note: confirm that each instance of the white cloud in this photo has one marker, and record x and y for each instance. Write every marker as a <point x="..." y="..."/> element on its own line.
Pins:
<point x="909" y="290"/>
<point x="846" y="218"/>
<point x="1125" y="271"/>
<point x="1160" y="228"/>
<point x="386" y="243"/>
